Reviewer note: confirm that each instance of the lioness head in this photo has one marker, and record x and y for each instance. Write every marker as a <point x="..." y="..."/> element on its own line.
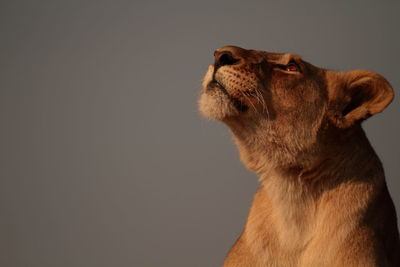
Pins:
<point x="283" y="107"/>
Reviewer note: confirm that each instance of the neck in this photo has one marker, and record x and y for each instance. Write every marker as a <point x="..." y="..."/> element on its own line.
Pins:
<point x="290" y="194"/>
<point x="325" y="153"/>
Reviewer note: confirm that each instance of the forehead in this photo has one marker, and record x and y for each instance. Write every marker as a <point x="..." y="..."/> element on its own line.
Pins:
<point x="282" y="57"/>
<point x="257" y="56"/>
<point x="279" y="58"/>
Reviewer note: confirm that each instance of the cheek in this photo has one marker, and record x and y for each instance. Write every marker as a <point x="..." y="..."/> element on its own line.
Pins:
<point x="289" y="96"/>
<point x="299" y="111"/>
<point x="284" y="99"/>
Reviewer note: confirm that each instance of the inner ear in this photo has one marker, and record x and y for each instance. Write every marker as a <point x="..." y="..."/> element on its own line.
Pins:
<point x="362" y="94"/>
<point x="358" y="96"/>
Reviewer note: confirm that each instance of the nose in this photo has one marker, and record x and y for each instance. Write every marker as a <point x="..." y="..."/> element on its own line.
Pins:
<point x="223" y="58"/>
<point x="227" y="55"/>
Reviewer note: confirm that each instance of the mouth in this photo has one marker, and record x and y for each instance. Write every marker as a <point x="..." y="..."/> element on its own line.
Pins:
<point x="215" y="85"/>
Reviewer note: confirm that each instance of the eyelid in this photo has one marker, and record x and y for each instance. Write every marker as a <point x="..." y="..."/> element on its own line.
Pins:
<point x="292" y="62"/>
<point x="281" y="66"/>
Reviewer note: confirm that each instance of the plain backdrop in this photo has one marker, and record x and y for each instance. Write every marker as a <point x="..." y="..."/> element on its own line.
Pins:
<point x="104" y="158"/>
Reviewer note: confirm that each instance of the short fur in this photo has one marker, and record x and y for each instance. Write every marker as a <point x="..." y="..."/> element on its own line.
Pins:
<point x="323" y="199"/>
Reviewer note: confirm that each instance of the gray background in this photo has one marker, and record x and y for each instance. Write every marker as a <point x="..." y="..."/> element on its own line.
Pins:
<point x="104" y="159"/>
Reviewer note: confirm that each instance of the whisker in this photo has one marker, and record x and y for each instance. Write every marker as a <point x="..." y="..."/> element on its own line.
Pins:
<point x="256" y="95"/>
<point x="259" y="97"/>
<point x="262" y="101"/>
<point x="248" y="99"/>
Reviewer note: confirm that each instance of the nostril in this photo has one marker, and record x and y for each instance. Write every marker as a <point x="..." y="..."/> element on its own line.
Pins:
<point x="224" y="58"/>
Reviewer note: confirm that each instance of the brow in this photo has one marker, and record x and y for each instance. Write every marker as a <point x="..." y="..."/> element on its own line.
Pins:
<point x="283" y="59"/>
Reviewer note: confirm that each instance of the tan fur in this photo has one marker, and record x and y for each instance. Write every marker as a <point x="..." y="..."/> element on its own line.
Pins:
<point x="323" y="199"/>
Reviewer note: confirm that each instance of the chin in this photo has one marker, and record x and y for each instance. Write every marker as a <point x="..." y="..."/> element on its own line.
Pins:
<point x="216" y="105"/>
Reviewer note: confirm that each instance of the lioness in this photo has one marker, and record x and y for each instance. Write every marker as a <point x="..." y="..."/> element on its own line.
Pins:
<point x="322" y="200"/>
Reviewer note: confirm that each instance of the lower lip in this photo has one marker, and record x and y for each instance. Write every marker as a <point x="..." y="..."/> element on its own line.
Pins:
<point x="214" y="84"/>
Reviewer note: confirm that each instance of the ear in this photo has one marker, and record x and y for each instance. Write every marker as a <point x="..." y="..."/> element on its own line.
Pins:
<point x="361" y="94"/>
